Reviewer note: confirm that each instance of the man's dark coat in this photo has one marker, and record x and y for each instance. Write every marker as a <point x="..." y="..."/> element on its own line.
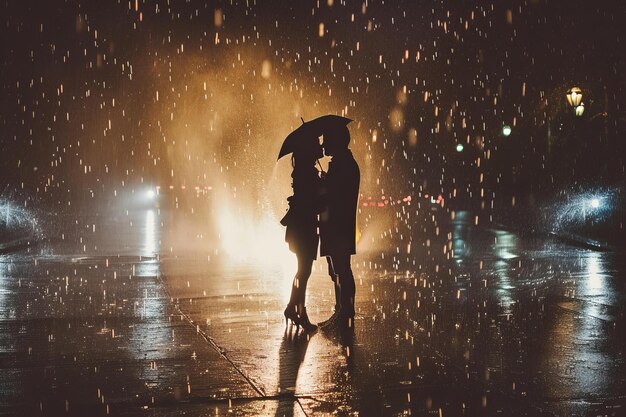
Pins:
<point x="338" y="221"/>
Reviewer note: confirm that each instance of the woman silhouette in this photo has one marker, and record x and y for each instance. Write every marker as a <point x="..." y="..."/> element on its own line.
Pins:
<point x="301" y="221"/>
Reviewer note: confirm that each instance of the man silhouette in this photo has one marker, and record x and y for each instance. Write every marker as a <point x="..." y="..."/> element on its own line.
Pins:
<point x="338" y="220"/>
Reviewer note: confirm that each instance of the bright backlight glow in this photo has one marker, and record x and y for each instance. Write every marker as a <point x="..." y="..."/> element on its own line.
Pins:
<point x="261" y="243"/>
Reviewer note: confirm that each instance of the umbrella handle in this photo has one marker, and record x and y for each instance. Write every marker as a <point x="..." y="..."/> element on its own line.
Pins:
<point x="320" y="165"/>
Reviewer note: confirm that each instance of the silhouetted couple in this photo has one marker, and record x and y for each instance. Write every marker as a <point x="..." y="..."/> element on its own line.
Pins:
<point x="326" y="202"/>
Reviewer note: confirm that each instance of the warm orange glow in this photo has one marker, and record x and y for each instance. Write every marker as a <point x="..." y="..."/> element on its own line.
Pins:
<point x="261" y="243"/>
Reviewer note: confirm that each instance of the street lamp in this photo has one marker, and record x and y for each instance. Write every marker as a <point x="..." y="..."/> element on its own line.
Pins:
<point x="575" y="98"/>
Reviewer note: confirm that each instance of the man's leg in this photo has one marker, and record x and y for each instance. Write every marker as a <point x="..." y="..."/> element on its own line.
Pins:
<point x="341" y="265"/>
<point x="335" y="279"/>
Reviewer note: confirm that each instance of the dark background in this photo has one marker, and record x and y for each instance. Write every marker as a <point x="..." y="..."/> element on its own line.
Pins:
<point x="80" y="119"/>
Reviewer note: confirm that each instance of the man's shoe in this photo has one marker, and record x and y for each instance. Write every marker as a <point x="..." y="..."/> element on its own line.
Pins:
<point x="330" y="322"/>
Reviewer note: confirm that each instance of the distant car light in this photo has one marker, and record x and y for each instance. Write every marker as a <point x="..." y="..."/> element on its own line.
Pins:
<point x="595" y="203"/>
<point x="151" y="194"/>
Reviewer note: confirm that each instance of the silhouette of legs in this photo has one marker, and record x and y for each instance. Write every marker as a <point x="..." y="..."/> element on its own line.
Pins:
<point x="298" y="288"/>
<point x="335" y="279"/>
<point x="344" y="283"/>
<point x="296" y="310"/>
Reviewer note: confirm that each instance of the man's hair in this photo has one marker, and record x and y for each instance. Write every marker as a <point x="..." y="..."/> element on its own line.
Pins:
<point x="341" y="136"/>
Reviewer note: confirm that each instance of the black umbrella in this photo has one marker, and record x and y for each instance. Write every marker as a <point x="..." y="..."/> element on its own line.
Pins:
<point x="311" y="130"/>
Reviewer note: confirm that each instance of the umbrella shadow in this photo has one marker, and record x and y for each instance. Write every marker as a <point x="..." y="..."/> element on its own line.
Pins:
<point x="291" y="355"/>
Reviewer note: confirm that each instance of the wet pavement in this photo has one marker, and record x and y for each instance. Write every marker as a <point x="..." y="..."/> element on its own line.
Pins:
<point x="120" y="316"/>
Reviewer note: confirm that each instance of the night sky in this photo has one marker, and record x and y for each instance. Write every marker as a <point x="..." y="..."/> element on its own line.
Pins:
<point x="101" y="97"/>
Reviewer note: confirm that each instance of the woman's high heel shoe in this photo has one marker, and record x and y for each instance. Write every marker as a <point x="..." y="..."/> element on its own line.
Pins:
<point x="291" y="314"/>
<point x="299" y="319"/>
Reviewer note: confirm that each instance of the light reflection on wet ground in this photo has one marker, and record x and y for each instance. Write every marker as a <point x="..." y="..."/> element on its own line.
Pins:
<point x="510" y="325"/>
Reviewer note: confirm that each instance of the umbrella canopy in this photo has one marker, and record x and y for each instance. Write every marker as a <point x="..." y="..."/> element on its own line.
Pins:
<point x="311" y="130"/>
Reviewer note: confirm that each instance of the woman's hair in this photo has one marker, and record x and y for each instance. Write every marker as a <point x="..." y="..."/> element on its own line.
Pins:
<point x="302" y="160"/>
<point x="303" y="156"/>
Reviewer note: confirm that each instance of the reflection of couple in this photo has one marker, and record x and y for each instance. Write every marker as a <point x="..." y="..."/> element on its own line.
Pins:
<point x="326" y="202"/>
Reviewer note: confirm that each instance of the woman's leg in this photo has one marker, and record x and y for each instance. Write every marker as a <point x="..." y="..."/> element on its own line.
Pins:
<point x="298" y="288"/>
<point x="295" y="311"/>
